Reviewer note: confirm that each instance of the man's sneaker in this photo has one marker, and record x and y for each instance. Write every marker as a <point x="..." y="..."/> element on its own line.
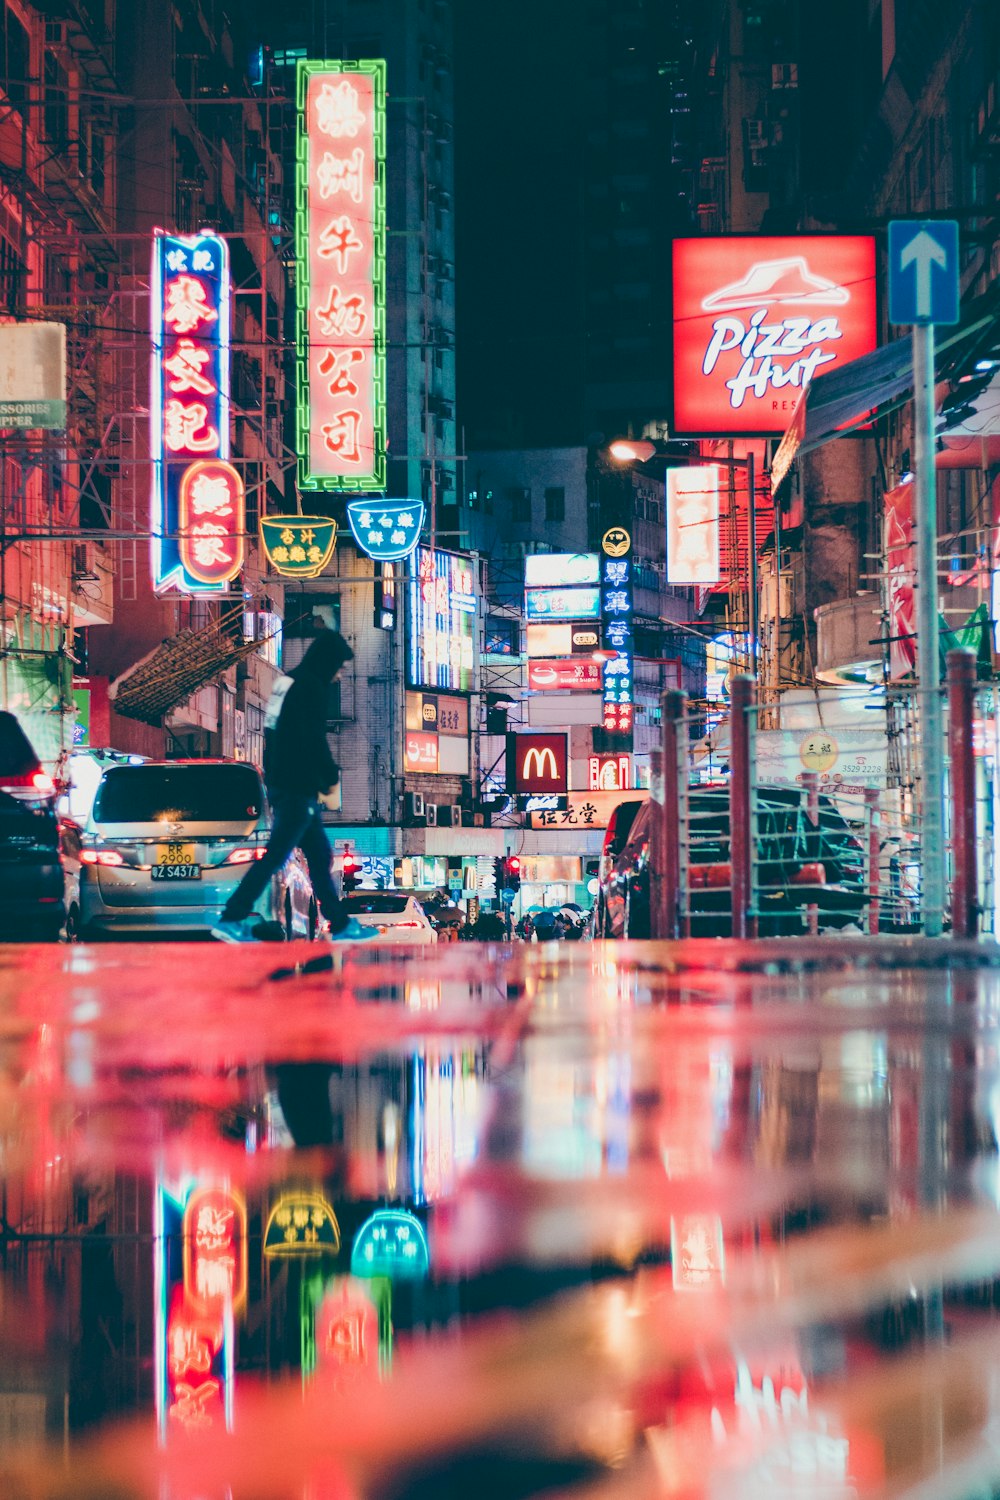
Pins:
<point x="352" y="933"/>
<point x="239" y="929"/>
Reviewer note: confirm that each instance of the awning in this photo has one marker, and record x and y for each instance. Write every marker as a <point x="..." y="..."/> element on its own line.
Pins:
<point x="854" y="394"/>
<point x="179" y="667"/>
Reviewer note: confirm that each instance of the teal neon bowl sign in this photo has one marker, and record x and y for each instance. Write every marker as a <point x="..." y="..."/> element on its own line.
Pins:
<point x="391" y="1243"/>
<point x="386" y="530"/>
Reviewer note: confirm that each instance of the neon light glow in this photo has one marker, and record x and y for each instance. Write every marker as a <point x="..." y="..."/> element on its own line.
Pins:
<point x="197" y="514"/>
<point x="616" y="628"/>
<point x="693" y="524"/>
<point x="610" y="773"/>
<point x="391" y="1243"/>
<point x="557" y="569"/>
<point x="301" y="1224"/>
<point x="215" y="1239"/>
<point x="387" y="531"/>
<point x="340" y="276"/>
<point x="442" y="622"/>
<point x="298" y="546"/>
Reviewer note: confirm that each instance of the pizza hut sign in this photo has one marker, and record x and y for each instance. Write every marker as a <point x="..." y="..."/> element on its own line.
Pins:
<point x="755" y="319"/>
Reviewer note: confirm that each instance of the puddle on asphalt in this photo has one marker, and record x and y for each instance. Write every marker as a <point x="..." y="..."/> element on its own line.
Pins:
<point x="563" y="1221"/>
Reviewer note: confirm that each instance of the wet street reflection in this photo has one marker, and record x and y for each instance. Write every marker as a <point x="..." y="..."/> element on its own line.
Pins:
<point x="595" y="1220"/>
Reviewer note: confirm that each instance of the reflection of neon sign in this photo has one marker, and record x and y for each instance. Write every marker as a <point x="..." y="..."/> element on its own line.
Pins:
<point x="301" y="1224"/>
<point x="215" y="1237"/>
<point x="197" y="518"/>
<point x="391" y="1243"/>
<point x="340" y="251"/>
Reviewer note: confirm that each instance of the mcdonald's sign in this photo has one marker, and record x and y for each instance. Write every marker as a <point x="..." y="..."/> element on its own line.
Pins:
<point x="536" y="763"/>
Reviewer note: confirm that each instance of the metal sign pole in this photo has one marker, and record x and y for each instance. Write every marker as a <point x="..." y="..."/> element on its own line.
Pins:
<point x="931" y="716"/>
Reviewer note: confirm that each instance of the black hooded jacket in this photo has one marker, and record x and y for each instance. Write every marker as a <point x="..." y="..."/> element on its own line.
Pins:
<point x="296" y="753"/>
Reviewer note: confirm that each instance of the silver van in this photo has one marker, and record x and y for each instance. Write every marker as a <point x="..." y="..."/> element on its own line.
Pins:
<point x="166" y="843"/>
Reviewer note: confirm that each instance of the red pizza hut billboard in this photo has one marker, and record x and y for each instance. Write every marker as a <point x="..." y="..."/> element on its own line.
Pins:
<point x="756" y="318"/>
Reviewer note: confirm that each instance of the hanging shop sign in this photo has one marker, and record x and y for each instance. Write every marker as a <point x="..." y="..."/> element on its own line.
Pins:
<point x="340" y="275"/>
<point x="420" y="751"/>
<point x="561" y="640"/>
<point x="387" y="531"/>
<point x="543" y="570"/>
<point x="756" y="318"/>
<point x="617" y="688"/>
<point x="33" y="375"/>
<point x="298" y="546"/>
<point x="386" y="596"/>
<point x="609" y="773"/>
<point x="616" y="542"/>
<point x="693" y="524"/>
<point x="197" y="509"/>
<point x="215" y="1250"/>
<point x="900" y="566"/>
<point x="574" y="674"/>
<point x="562" y="604"/>
<point x="441" y="621"/>
<point x="581" y="810"/>
<point x="537" y="763"/>
<point x="301" y="1223"/>
<point x="391" y="1243"/>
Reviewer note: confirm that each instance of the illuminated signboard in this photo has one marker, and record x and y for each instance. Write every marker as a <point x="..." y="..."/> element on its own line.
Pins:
<point x="609" y="773"/>
<point x="561" y="640"/>
<point x="697" y="1255"/>
<point x="215" y="1241"/>
<point x="420" y="751"/>
<point x="197" y="511"/>
<point x="391" y="1243"/>
<point x="301" y="1223"/>
<point x="693" y="524"/>
<point x="755" y="319"/>
<point x="388" y="531"/>
<point x="616" y="628"/>
<point x="386" y="579"/>
<point x="298" y="546"/>
<point x="562" y="604"/>
<point x="574" y="674"/>
<point x="580" y="809"/>
<point x="442" y="622"/>
<point x="340" y="275"/>
<point x="559" y="569"/>
<point x="537" y="763"/>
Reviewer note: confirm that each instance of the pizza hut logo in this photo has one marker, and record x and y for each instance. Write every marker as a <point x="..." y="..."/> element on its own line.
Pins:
<point x="776" y="352"/>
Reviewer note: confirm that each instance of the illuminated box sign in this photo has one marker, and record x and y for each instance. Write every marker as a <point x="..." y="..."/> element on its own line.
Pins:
<point x="561" y="640"/>
<point x="609" y="773"/>
<point x="442" y="622"/>
<point x="574" y="674"/>
<point x="617" y="685"/>
<point x="560" y="569"/>
<point x="562" y="604"/>
<point x="340" y="275"/>
<point x="388" y="531"/>
<point x="437" y="714"/>
<point x="693" y="524"/>
<point x="298" y="546"/>
<point x="420" y="751"/>
<point x="197" y="505"/>
<point x="756" y="318"/>
<point x="537" y="763"/>
<point x="581" y="810"/>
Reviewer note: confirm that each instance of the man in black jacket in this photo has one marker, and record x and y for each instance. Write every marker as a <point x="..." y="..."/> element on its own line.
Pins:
<point x="298" y="771"/>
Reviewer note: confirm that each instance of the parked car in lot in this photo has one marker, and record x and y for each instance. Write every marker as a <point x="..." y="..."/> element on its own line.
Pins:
<point x="167" y="841"/>
<point x="32" y="882"/>
<point x="798" y="864"/>
<point x="399" y="918"/>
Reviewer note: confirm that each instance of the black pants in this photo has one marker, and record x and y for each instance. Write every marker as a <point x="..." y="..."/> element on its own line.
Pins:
<point x="296" y="826"/>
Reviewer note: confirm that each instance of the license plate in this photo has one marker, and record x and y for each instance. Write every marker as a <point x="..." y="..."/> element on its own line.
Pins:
<point x="175" y="854"/>
<point x="175" y="872"/>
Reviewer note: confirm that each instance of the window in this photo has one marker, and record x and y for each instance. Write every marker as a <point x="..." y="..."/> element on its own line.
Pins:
<point x="555" y="503"/>
<point x="519" y="501"/>
<point x="307" y="614"/>
<point x="199" y="794"/>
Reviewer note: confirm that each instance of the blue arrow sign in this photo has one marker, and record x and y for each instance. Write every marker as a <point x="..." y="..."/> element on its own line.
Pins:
<point x="923" y="271"/>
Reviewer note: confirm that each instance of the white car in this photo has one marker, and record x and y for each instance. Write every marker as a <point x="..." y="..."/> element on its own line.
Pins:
<point x="398" y="918"/>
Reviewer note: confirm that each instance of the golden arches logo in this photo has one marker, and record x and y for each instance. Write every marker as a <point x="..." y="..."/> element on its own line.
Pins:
<point x="540" y="758"/>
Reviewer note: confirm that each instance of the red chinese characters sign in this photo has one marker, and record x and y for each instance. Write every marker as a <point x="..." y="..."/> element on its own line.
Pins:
<point x="198" y="524"/>
<point x="755" y="319"/>
<point x="340" y="250"/>
<point x="573" y="674"/>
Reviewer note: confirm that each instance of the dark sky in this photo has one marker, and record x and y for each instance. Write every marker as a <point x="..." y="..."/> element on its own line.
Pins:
<point x="518" y="141"/>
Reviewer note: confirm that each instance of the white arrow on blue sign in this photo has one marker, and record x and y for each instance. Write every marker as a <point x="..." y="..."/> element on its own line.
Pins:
<point x="923" y="271"/>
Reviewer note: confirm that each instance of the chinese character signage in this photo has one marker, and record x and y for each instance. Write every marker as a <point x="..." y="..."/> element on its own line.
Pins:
<point x="298" y="546"/>
<point x="442" y="621"/>
<point x="420" y="751"/>
<point x="617" y="688"/>
<point x="693" y="524"/>
<point x="546" y="570"/>
<point x="900" y="564"/>
<point x="537" y="763"/>
<point x="581" y="810"/>
<point x="391" y="1243"/>
<point x="574" y="674"/>
<point x="609" y="773"/>
<point x="387" y="531"/>
<point x="562" y="604"/>
<point x="755" y="319"/>
<point x="215" y="1243"/>
<point x="301" y="1224"/>
<point x="340" y="275"/>
<point x="197" y="508"/>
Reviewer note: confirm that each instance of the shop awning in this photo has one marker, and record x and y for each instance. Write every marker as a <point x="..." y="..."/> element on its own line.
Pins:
<point x="179" y="667"/>
<point x="855" y="393"/>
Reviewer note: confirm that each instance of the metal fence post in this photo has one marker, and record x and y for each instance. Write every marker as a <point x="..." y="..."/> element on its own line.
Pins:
<point x="961" y="679"/>
<point x="873" y="855"/>
<point x="810" y="780"/>
<point x="742" y="703"/>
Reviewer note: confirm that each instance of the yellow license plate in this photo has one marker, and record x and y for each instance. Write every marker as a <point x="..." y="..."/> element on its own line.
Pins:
<point x="175" y="854"/>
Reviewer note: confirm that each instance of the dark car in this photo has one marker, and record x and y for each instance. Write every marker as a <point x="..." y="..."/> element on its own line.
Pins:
<point x="31" y="873"/>
<point x="797" y="864"/>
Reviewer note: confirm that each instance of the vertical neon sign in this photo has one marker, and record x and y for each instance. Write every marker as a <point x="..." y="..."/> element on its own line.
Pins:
<point x="340" y="275"/>
<point x="616" y="627"/>
<point x="198" y="526"/>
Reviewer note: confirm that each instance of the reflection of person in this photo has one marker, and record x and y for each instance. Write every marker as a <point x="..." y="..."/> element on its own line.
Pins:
<point x="299" y="771"/>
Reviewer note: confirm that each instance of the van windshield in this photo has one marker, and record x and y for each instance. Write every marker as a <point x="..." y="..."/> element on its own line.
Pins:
<point x="178" y="794"/>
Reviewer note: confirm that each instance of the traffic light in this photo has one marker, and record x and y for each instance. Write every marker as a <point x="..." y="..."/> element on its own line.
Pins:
<point x="352" y="872"/>
<point x="513" y="874"/>
<point x="499" y="875"/>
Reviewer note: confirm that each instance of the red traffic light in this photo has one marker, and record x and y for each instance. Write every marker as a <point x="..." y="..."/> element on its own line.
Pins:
<point x="514" y="865"/>
<point x="350" y="861"/>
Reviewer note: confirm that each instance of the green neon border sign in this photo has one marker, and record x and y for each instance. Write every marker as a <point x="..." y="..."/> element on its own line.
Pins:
<point x="375" y="479"/>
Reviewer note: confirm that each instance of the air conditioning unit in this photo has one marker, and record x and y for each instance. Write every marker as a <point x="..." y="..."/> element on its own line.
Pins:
<point x="456" y="814"/>
<point x="431" y="814"/>
<point x="413" y="807"/>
